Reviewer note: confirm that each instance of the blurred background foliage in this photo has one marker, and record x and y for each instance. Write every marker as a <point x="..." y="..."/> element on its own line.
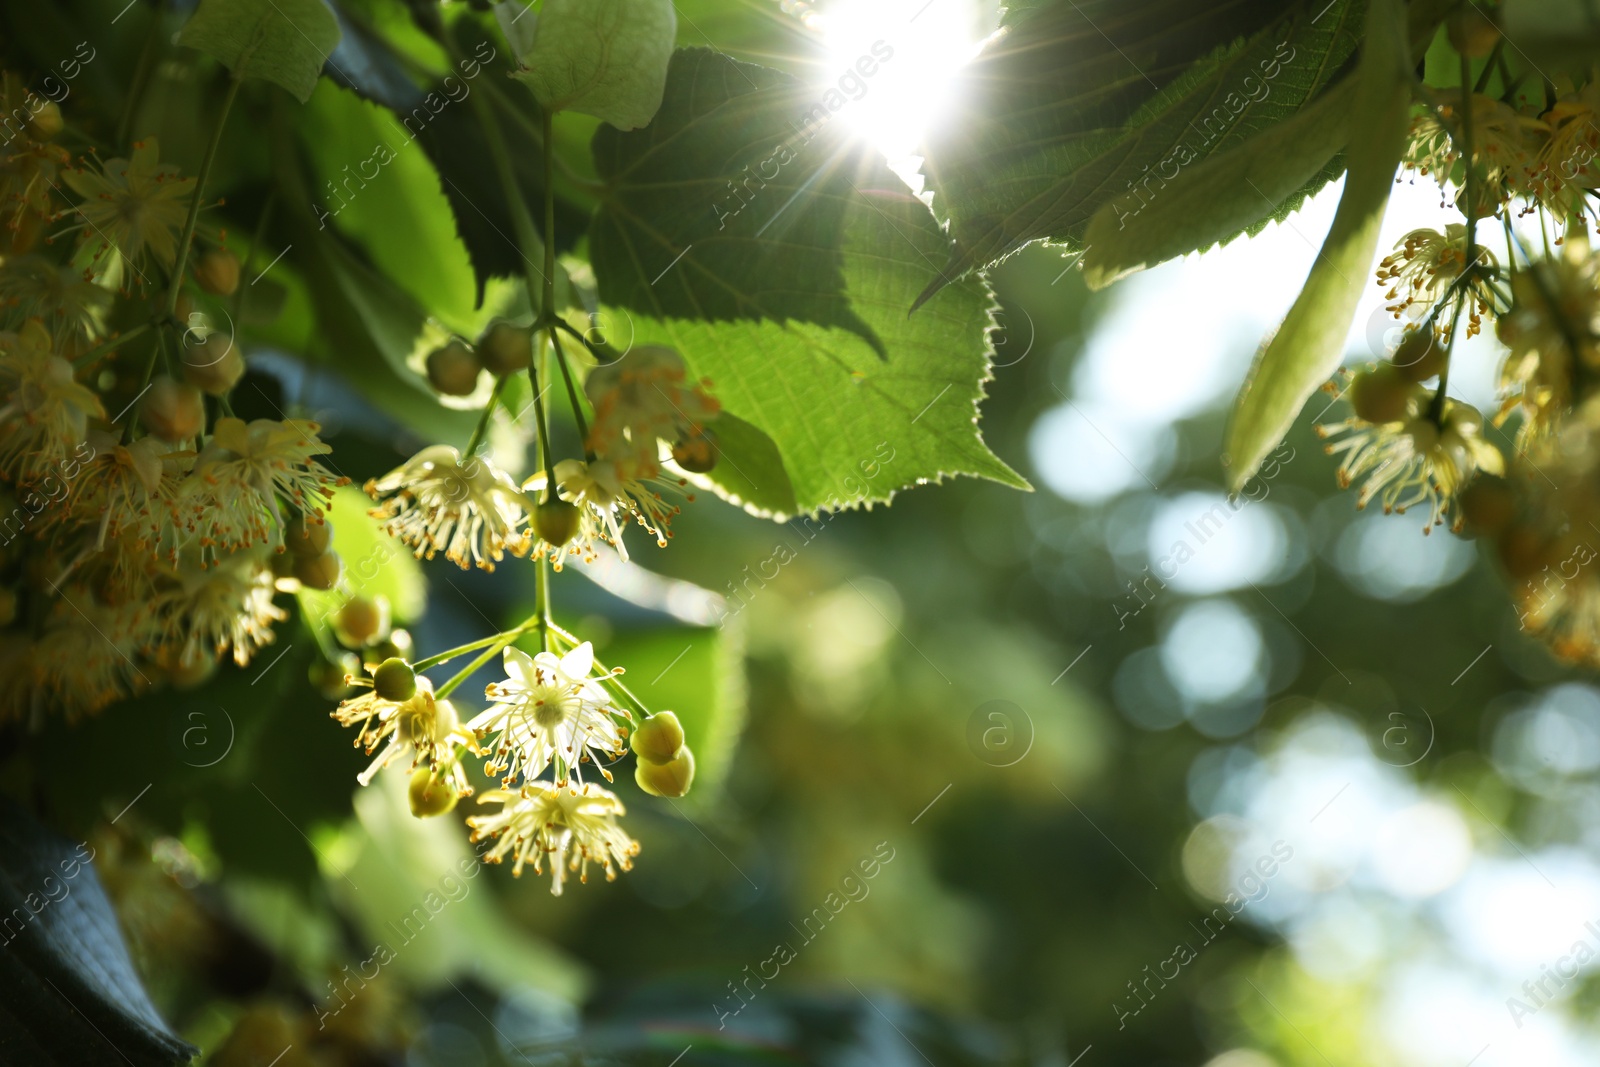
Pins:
<point x="1071" y="766"/>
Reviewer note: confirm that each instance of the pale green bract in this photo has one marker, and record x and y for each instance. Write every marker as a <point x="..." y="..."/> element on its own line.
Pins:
<point x="284" y="42"/>
<point x="1309" y="346"/>
<point x="606" y="58"/>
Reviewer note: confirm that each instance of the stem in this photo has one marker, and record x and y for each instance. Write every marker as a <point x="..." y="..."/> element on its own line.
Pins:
<point x="199" y="191"/>
<point x="516" y="114"/>
<point x="471" y="646"/>
<point x="522" y="226"/>
<point x="547" y="307"/>
<point x="544" y="457"/>
<point x="572" y="395"/>
<point x="1488" y="67"/>
<point x="141" y="75"/>
<point x="105" y="346"/>
<point x="599" y="355"/>
<point x="483" y="420"/>
<point x="464" y="673"/>
<point x="1470" y="262"/>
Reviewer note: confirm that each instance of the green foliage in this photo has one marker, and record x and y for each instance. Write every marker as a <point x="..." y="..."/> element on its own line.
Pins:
<point x="381" y="191"/>
<point x="1309" y="346"/>
<point x="793" y="303"/>
<point x="1220" y="197"/>
<point x="282" y="41"/>
<point x="1077" y="110"/>
<point x="606" y="58"/>
<point x="65" y="961"/>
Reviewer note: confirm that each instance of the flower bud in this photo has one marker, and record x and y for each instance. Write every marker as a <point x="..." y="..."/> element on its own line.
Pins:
<point x="46" y="122"/>
<point x="1419" y="355"/>
<point x="319" y="572"/>
<point x="213" y="365"/>
<point x="671" y="779"/>
<point x="308" y="538"/>
<point x="555" y="521"/>
<point x="453" y="369"/>
<point x="172" y="410"/>
<point x="696" y="454"/>
<point x="506" y="349"/>
<point x="397" y="643"/>
<point x="394" y="680"/>
<point x="1472" y="32"/>
<point x="1380" y="395"/>
<point x="658" y="739"/>
<point x="218" y="272"/>
<point x="429" y="796"/>
<point x="361" y="620"/>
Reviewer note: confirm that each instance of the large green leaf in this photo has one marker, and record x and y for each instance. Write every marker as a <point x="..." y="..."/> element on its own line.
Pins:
<point x="791" y="294"/>
<point x="68" y="992"/>
<point x="376" y="185"/>
<point x="1309" y="346"/>
<point x="283" y="41"/>
<point x="1220" y="198"/>
<point x="606" y="58"/>
<point x="1077" y="106"/>
<point x="1236" y="191"/>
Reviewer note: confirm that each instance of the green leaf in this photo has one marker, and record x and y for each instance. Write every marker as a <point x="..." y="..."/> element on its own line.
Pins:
<point x="1309" y="346"/>
<point x="1220" y="198"/>
<point x="69" y="995"/>
<point x="792" y="294"/>
<point x="749" y="470"/>
<point x="606" y="58"/>
<point x="283" y="41"/>
<point x="1078" y="106"/>
<point x="379" y="187"/>
<point x="1236" y="191"/>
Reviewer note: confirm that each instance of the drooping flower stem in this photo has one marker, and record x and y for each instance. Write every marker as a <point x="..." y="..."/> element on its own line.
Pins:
<point x="1469" y="263"/>
<point x="599" y="354"/>
<point x="482" y="428"/>
<point x="572" y="395"/>
<point x="182" y="261"/>
<point x="544" y="288"/>
<point x="497" y="644"/>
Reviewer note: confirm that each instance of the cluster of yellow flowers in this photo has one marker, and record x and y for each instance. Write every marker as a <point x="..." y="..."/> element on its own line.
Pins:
<point x="476" y="514"/>
<point x="142" y="527"/>
<point x="552" y="711"/>
<point x="1410" y="444"/>
<point x="145" y="529"/>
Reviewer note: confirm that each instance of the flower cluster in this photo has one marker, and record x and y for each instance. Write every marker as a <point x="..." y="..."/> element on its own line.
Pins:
<point x="647" y="414"/>
<point x="1532" y="164"/>
<point x="141" y="527"/>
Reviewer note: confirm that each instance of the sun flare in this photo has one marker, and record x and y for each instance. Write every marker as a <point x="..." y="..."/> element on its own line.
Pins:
<point x="894" y="63"/>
